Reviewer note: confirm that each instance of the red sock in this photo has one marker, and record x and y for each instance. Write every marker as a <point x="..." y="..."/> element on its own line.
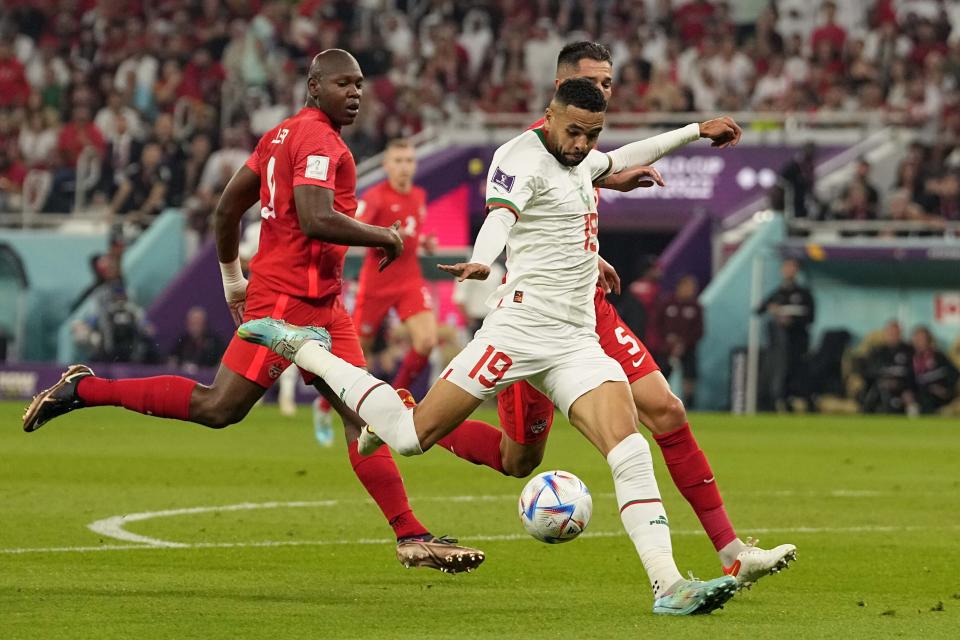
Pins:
<point x="380" y="477"/>
<point x="162" y="396"/>
<point x="692" y="475"/>
<point x="412" y="366"/>
<point x="323" y="404"/>
<point x="476" y="442"/>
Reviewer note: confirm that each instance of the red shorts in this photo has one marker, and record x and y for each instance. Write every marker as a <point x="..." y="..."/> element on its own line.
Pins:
<point x="526" y="415"/>
<point x="263" y="366"/>
<point x="374" y="304"/>
<point x="620" y="343"/>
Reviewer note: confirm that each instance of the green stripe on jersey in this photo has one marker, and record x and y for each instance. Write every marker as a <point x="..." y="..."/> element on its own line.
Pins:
<point x="503" y="202"/>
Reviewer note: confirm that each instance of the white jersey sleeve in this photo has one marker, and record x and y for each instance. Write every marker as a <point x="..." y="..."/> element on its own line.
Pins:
<point x="512" y="181"/>
<point x="599" y="164"/>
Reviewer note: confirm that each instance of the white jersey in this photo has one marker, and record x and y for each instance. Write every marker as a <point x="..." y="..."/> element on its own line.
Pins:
<point x="552" y="248"/>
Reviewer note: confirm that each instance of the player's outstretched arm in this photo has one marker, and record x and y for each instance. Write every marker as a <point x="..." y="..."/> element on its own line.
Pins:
<point x="723" y="131"/>
<point x="320" y="221"/>
<point x="489" y="245"/>
<point x="241" y="193"/>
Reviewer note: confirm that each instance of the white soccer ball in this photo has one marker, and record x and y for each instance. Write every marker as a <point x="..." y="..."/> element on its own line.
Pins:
<point x="555" y="507"/>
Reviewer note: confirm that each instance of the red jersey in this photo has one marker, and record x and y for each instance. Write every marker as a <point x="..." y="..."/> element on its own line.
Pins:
<point x="383" y="205"/>
<point x="305" y="149"/>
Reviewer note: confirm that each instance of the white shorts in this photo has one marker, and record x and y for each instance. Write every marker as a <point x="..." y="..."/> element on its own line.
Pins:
<point x="561" y="360"/>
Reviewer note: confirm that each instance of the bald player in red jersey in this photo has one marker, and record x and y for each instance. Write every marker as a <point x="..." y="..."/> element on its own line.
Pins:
<point x="397" y="200"/>
<point x="304" y="177"/>
<point x="526" y="415"/>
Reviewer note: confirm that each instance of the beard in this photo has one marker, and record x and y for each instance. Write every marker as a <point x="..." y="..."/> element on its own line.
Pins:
<point x="566" y="160"/>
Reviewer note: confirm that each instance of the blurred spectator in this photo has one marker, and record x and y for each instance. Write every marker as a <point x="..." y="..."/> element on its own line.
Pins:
<point x="142" y="191"/>
<point x="860" y="200"/>
<point x="14" y="87"/>
<point x="111" y="113"/>
<point x="829" y="32"/>
<point x="638" y="306"/>
<point x="217" y="171"/>
<point x="198" y="346"/>
<point x="791" y="310"/>
<point x="941" y="197"/>
<point x="427" y="63"/>
<point x="78" y="134"/>
<point x="38" y="139"/>
<point x="122" y="152"/>
<point x="202" y="78"/>
<point x="680" y="319"/>
<point x="12" y="174"/>
<point x="888" y="374"/>
<point x="935" y="376"/>
<point x="799" y="177"/>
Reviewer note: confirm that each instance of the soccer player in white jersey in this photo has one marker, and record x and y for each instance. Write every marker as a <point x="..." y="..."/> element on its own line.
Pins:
<point x="541" y="187"/>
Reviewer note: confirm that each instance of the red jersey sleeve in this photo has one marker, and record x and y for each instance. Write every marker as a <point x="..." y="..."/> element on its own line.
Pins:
<point x="315" y="159"/>
<point x="253" y="162"/>
<point x="368" y="207"/>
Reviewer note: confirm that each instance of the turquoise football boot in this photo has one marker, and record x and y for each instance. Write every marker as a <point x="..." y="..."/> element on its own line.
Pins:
<point x="696" y="597"/>
<point x="280" y="337"/>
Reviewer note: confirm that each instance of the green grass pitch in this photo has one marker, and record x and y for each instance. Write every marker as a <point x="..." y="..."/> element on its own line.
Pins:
<point x="872" y="503"/>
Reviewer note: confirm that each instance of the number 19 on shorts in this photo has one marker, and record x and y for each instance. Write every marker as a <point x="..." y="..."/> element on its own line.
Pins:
<point x="491" y="367"/>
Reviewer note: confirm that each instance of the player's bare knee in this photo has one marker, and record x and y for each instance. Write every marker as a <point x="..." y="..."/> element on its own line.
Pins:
<point x="217" y="413"/>
<point x="672" y="413"/>
<point x="429" y="429"/>
<point x="519" y="468"/>
<point x="668" y="413"/>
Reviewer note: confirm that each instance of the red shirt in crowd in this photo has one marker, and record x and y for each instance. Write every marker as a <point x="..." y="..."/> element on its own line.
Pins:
<point x="14" y="88"/>
<point x="74" y="137"/>
<point x="305" y="149"/>
<point x="383" y="205"/>
<point x="832" y="33"/>
<point x="201" y="83"/>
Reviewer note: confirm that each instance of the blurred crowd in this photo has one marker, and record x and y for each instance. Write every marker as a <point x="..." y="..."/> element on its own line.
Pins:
<point x="159" y="102"/>
<point x="925" y="188"/>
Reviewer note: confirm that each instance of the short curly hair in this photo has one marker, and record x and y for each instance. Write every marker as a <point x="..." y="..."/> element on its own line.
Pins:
<point x="580" y="93"/>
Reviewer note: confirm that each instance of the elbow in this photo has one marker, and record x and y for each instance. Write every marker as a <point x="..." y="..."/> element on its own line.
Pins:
<point x="220" y="217"/>
<point x="315" y="229"/>
<point x="311" y="229"/>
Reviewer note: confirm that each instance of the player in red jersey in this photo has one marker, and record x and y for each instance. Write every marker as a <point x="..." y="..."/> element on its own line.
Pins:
<point x="526" y="415"/>
<point x="397" y="201"/>
<point x="304" y="177"/>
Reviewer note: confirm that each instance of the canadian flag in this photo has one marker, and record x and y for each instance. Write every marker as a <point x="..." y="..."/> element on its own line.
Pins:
<point x="946" y="308"/>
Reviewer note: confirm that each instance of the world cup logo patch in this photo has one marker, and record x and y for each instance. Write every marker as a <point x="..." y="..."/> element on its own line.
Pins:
<point x="503" y="180"/>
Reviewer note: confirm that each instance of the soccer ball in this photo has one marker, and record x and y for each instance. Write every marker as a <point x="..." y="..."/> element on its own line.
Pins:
<point x="555" y="507"/>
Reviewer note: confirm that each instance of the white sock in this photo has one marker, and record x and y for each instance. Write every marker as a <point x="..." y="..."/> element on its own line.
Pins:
<point x="374" y="400"/>
<point x="642" y="512"/>
<point x="728" y="555"/>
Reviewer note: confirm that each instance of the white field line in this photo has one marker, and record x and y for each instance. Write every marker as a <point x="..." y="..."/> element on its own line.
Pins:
<point x="113" y="527"/>
<point x="508" y="537"/>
